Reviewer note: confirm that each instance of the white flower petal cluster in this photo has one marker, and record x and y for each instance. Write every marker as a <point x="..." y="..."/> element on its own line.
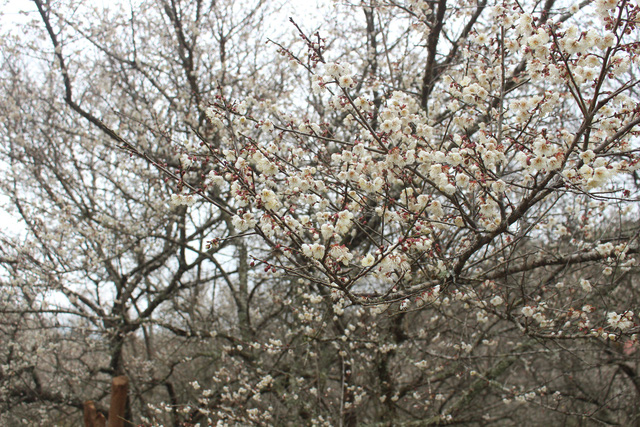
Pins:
<point x="315" y="250"/>
<point x="340" y="73"/>
<point x="621" y="321"/>
<point x="182" y="200"/>
<point x="244" y="222"/>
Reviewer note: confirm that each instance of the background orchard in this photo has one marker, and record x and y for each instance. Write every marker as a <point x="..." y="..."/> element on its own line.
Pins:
<point x="405" y="213"/>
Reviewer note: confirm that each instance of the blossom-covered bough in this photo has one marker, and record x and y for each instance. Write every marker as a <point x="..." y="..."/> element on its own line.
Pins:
<point x="431" y="219"/>
<point x="529" y="141"/>
<point x="487" y="175"/>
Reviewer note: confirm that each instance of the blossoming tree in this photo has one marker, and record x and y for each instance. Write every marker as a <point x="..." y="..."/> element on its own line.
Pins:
<point x="433" y="209"/>
<point x="105" y="279"/>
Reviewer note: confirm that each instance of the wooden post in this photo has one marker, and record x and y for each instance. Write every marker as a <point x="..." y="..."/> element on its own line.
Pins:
<point x="118" y="406"/>
<point x="93" y="418"/>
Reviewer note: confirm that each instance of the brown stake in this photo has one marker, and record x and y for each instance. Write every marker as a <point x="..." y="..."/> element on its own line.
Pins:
<point x="119" y="387"/>
<point x="93" y="418"/>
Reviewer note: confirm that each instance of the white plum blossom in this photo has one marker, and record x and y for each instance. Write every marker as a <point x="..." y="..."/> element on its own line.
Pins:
<point x="586" y="285"/>
<point x="497" y="300"/>
<point x="343" y="223"/>
<point x="185" y="161"/>
<point x="182" y="200"/>
<point x="244" y="222"/>
<point x="314" y="250"/>
<point x="341" y="253"/>
<point x="345" y="82"/>
<point x="368" y="260"/>
<point x="622" y="321"/>
<point x="269" y="199"/>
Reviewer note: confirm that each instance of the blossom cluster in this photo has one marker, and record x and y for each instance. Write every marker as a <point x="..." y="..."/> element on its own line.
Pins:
<point x="391" y="201"/>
